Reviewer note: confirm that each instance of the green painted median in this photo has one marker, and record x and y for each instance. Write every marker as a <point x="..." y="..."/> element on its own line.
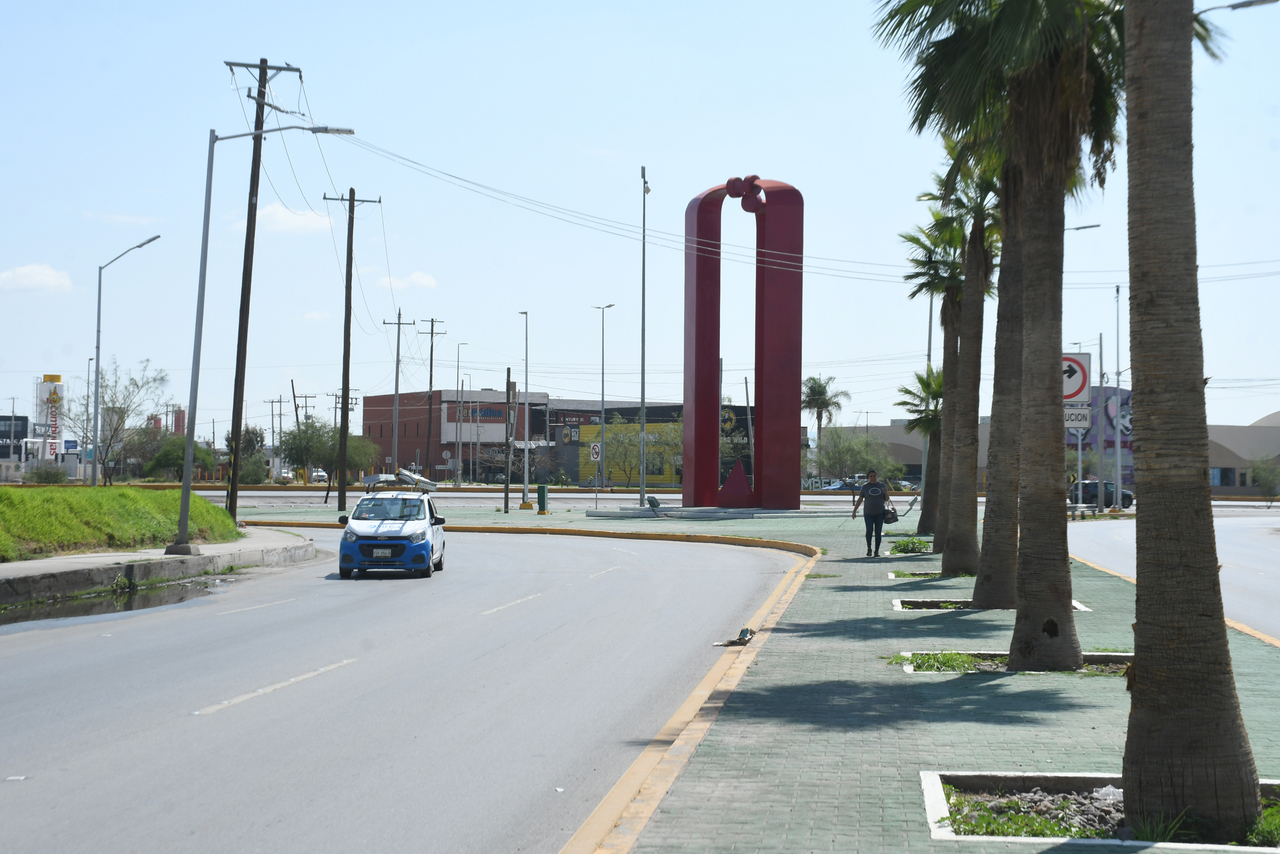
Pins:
<point x="43" y="522"/>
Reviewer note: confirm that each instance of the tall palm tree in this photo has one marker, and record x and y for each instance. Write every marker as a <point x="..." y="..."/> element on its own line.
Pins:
<point x="970" y="200"/>
<point x="923" y="403"/>
<point x="1037" y="76"/>
<point x="937" y="270"/>
<point x="997" y="577"/>
<point x="1186" y="748"/>
<point x="817" y="396"/>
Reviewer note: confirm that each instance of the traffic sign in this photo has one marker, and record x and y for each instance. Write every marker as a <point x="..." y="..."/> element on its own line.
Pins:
<point x="1075" y="377"/>
<point x="1077" y="418"/>
<point x="596" y="449"/>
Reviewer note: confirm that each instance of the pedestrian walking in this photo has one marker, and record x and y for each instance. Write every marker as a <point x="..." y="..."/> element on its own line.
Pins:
<point x="875" y="494"/>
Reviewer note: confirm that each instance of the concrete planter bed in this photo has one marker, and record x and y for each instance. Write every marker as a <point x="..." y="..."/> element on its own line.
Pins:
<point x="989" y="661"/>
<point x="1043" y="787"/>
<point x="953" y="605"/>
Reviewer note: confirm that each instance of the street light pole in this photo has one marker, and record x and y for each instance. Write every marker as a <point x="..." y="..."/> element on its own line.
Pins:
<point x="644" y="245"/>
<point x="97" y="354"/>
<point x="181" y="545"/>
<point x="602" y="309"/>
<point x="457" y="415"/>
<point x="84" y="434"/>
<point x="524" y="503"/>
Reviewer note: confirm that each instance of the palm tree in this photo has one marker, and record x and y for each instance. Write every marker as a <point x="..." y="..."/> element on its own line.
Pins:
<point x="937" y="271"/>
<point x="922" y="403"/>
<point x="997" y="577"/>
<point x="817" y="396"/>
<point x="1187" y="748"/>
<point x="970" y="200"/>
<point x="1036" y="76"/>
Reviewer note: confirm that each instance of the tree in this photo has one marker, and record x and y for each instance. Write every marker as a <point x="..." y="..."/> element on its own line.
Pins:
<point x="252" y="441"/>
<point x="817" y="396"/>
<point x="849" y="452"/>
<point x="938" y="271"/>
<point x="622" y="447"/>
<point x="124" y="401"/>
<point x="923" y="403"/>
<point x="307" y="444"/>
<point x="1265" y="472"/>
<point x="1186" y="751"/>
<point x="1034" y="76"/>
<point x="168" y="461"/>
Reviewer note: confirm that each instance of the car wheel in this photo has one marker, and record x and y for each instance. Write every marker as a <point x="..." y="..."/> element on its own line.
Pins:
<point x="344" y="572"/>
<point x="426" y="573"/>
<point x="440" y="564"/>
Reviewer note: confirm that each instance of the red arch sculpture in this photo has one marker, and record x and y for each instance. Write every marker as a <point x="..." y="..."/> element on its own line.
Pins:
<point x="779" y="213"/>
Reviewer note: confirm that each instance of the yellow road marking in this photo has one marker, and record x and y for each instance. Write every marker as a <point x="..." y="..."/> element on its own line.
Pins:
<point x="217" y="707"/>
<point x="1235" y="624"/>
<point x="616" y="822"/>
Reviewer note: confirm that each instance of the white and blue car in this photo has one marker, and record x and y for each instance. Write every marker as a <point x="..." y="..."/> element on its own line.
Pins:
<point x="389" y="530"/>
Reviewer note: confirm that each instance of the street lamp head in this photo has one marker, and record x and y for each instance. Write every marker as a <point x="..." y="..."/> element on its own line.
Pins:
<point x="148" y="240"/>
<point x="327" y="129"/>
<point x="525" y="313"/>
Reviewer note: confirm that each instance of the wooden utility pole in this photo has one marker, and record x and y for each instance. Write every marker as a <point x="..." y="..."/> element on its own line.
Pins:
<point x="345" y="427"/>
<point x="431" y="385"/>
<point x="246" y="286"/>
<point x="297" y="422"/>
<point x="395" y="401"/>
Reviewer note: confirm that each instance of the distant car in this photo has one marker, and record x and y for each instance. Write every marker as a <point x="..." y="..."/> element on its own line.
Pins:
<point x="392" y="530"/>
<point x="318" y="476"/>
<point x="843" y="485"/>
<point x="284" y="477"/>
<point x="1090" y="494"/>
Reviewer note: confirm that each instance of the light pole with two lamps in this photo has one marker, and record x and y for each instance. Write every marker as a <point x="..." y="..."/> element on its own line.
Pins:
<point x="182" y="545"/>
<point x="524" y="501"/>
<point x="600" y="477"/>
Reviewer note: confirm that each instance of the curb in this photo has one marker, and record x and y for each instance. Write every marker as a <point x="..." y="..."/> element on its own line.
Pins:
<point x="782" y="545"/>
<point x="52" y="585"/>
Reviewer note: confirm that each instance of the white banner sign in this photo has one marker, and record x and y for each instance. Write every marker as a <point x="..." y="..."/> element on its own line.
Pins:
<point x="1077" y="418"/>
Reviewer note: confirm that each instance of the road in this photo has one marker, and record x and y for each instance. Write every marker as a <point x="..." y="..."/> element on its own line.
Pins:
<point x="486" y="709"/>
<point x="1248" y="540"/>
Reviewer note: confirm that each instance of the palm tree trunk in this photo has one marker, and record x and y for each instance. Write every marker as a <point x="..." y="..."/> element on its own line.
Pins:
<point x="950" y="340"/>
<point x="1187" y="748"/>
<point x="961" y="554"/>
<point x="929" y="500"/>
<point x="1044" y="630"/>
<point x="996" y="585"/>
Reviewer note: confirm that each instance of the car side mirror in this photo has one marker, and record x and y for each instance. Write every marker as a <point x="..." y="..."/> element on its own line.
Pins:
<point x="439" y="520"/>
<point x="342" y="520"/>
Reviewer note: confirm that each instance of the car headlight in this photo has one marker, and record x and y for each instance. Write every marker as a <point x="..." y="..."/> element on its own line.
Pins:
<point x="418" y="537"/>
<point x="349" y="536"/>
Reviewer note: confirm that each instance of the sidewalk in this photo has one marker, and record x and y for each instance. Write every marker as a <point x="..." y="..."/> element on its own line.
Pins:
<point x="23" y="581"/>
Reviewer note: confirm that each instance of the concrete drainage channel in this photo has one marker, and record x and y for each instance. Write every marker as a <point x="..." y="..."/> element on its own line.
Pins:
<point x="70" y="583"/>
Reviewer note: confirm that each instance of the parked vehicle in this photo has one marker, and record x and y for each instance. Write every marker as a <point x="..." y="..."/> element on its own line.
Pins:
<point x="319" y="476"/>
<point x="392" y="530"/>
<point x="1090" y="494"/>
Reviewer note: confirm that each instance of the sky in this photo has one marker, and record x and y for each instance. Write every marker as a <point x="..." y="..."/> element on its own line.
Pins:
<point x="109" y="108"/>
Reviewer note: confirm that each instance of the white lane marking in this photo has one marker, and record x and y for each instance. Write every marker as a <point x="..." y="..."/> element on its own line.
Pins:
<point x="14" y="779"/>
<point x="256" y="607"/>
<point x="602" y="572"/>
<point x="616" y="549"/>
<point x="508" y="605"/>
<point x="208" y="710"/>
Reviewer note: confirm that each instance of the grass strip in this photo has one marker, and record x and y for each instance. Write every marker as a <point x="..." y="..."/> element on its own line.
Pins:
<point x="47" y="521"/>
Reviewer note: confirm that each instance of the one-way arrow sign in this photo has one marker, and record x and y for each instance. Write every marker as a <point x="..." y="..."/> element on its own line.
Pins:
<point x="1075" y="377"/>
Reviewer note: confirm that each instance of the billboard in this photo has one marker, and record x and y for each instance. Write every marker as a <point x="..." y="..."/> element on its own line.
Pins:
<point x="52" y="398"/>
<point x="18" y="425"/>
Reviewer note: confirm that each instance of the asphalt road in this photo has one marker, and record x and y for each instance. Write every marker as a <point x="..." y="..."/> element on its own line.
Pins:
<point x="486" y="709"/>
<point x="1248" y="541"/>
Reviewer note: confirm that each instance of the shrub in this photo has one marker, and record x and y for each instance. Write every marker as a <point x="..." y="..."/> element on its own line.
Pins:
<point x="910" y="546"/>
<point x="46" y="473"/>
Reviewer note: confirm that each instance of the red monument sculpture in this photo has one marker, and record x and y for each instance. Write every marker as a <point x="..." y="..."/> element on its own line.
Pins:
<point x="779" y="212"/>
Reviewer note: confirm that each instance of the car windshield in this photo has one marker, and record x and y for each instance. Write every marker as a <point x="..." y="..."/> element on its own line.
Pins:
<point x="398" y="509"/>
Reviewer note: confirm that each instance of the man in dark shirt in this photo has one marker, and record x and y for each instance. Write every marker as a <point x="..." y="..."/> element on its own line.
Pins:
<point x="875" y="494"/>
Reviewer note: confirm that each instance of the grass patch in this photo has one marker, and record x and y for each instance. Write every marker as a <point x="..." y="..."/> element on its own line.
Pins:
<point x="42" y="522"/>
<point x="950" y="662"/>
<point x="898" y="658"/>
<point x="911" y="546"/>
<point x="974" y="817"/>
<point x="901" y="573"/>
<point x="1267" y="829"/>
<point x="821" y="575"/>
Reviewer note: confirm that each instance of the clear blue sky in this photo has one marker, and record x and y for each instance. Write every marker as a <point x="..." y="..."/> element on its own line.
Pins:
<point x="109" y="108"/>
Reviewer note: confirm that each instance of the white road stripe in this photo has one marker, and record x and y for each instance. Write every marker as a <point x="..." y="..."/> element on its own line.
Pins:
<point x="208" y="710"/>
<point x="602" y="572"/>
<point x="508" y="605"/>
<point x="256" y="607"/>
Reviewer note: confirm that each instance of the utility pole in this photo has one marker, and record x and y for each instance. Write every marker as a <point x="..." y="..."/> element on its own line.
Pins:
<point x="644" y="246"/>
<point x="297" y="422"/>
<point x="306" y="406"/>
<point x="395" y="403"/>
<point x="13" y="419"/>
<point x="246" y="280"/>
<point x="431" y="385"/>
<point x="510" y="419"/>
<point x="345" y="427"/>
<point x="272" y="460"/>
